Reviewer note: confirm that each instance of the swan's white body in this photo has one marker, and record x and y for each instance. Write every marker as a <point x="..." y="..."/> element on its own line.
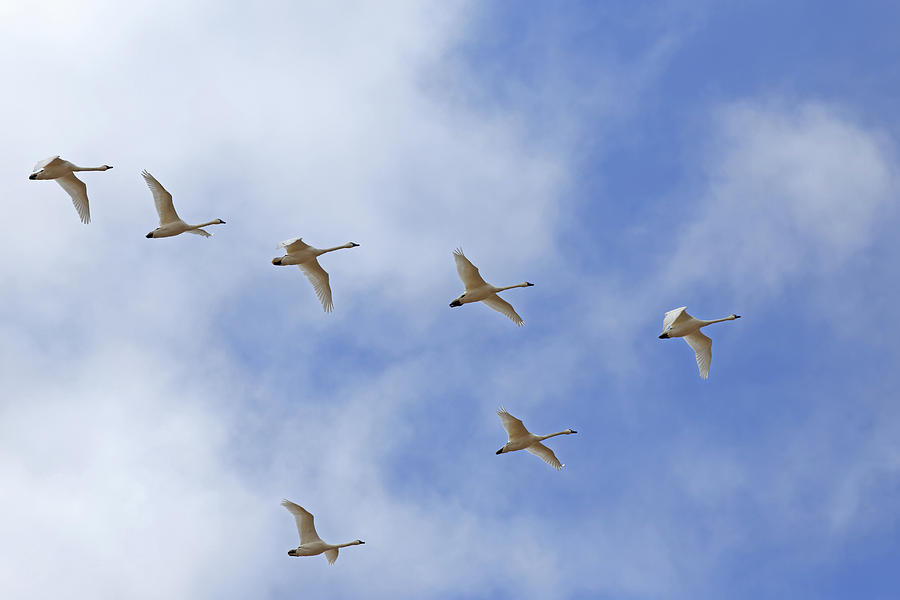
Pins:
<point x="64" y="173"/>
<point x="678" y="323"/>
<point x="478" y="290"/>
<point x="522" y="439"/>
<point x="310" y="542"/>
<point x="305" y="256"/>
<point x="169" y="222"/>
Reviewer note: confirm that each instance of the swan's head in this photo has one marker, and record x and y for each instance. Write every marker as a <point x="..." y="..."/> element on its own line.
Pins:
<point x="571" y="431"/>
<point x="220" y="221"/>
<point x="528" y="284"/>
<point x="357" y="542"/>
<point x="33" y="176"/>
<point x="733" y="316"/>
<point x="106" y="167"/>
<point x="352" y="244"/>
<point x="293" y="552"/>
<point x="277" y="261"/>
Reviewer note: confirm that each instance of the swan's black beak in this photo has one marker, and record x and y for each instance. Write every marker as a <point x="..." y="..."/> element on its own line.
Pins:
<point x="455" y="303"/>
<point x="221" y="222"/>
<point x="150" y="235"/>
<point x="573" y="431"/>
<point x="737" y="316"/>
<point x="528" y="284"/>
<point x="276" y="261"/>
<point x="663" y="336"/>
<point x="108" y="166"/>
<point x="500" y="451"/>
<point x="32" y="176"/>
<point x="354" y="245"/>
<point x="361" y="542"/>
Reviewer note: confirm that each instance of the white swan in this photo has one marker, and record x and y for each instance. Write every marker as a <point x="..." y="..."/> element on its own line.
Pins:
<point x="64" y="173"/>
<point x="678" y="323"/>
<point x="522" y="439"/>
<point x="478" y="290"/>
<point x="304" y="256"/>
<point x="169" y="222"/>
<point x="310" y="542"/>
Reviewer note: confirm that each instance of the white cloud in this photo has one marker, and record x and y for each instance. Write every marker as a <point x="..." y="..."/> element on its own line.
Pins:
<point x="791" y="189"/>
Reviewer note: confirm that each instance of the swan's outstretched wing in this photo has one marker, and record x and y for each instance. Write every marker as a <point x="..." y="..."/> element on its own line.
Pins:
<point x="513" y="426"/>
<point x="468" y="272"/>
<point x="294" y="245"/>
<point x="674" y="315"/>
<point x="304" y="520"/>
<point x="504" y="308"/>
<point x="331" y="555"/>
<point x="202" y="232"/>
<point x="163" y="199"/>
<point x="545" y="454"/>
<point x="53" y="160"/>
<point x="702" y="346"/>
<point x="318" y="277"/>
<point x="78" y="191"/>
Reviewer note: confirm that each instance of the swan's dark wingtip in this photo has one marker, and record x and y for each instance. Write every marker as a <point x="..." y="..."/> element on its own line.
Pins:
<point x="33" y="176"/>
<point x="500" y="451"/>
<point x="149" y="235"/>
<point x="663" y="336"/>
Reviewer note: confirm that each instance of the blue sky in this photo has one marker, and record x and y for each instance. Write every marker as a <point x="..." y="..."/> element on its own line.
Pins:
<point x="161" y="397"/>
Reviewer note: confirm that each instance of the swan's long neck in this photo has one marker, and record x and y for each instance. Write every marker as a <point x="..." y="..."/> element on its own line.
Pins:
<point x="509" y="287"/>
<point x="216" y="222"/>
<point x="347" y="245"/>
<point x="728" y="318"/>
<point x="550" y="435"/>
<point x="100" y="168"/>
<point x="353" y="543"/>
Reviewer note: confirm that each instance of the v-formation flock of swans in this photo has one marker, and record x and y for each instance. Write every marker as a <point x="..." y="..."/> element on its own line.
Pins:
<point x="676" y="323"/>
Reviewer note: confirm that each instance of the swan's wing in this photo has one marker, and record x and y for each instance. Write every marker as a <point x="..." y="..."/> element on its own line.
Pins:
<point x="54" y="160"/>
<point x="468" y="272"/>
<point x="546" y="455"/>
<point x="702" y="346"/>
<point x="513" y="426"/>
<point x="163" y="199"/>
<point x="78" y="191"/>
<point x="200" y="232"/>
<point x="304" y="520"/>
<point x="331" y="555"/>
<point x="503" y="307"/>
<point x="294" y="245"/>
<point x="318" y="277"/>
<point x="675" y="315"/>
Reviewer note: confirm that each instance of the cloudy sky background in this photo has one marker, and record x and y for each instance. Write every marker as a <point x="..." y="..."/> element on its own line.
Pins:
<point x="161" y="397"/>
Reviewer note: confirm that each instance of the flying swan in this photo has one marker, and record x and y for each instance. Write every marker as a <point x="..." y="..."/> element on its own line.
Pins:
<point x="64" y="173"/>
<point x="678" y="323"/>
<point x="478" y="290"/>
<point x="304" y="256"/>
<point x="169" y="222"/>
<point x="310" y="542"/>
<point x="522" y="439"/>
